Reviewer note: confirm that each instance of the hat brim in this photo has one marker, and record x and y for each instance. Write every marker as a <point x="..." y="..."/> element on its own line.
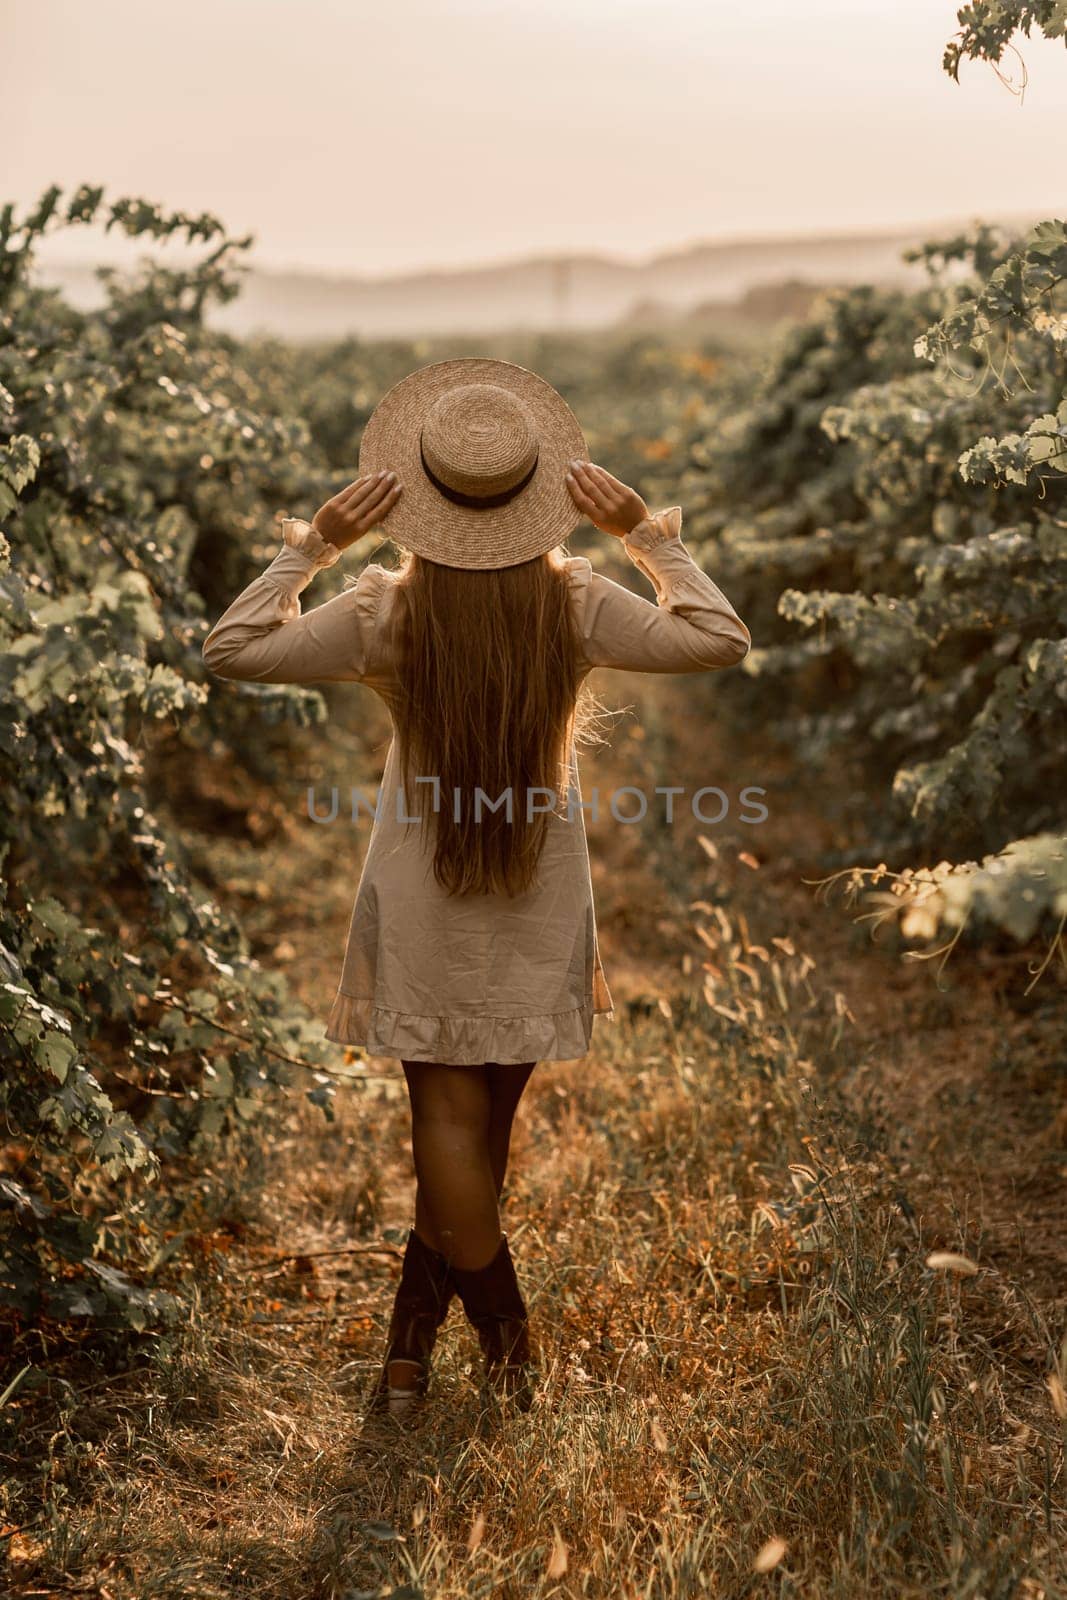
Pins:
<point x="426" y="521"/>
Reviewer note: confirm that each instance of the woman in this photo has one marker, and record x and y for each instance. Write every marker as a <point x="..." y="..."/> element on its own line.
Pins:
<point x="472" y="950"/>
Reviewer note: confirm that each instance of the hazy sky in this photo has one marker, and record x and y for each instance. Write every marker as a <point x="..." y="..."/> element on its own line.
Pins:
<point x="372" y="138"/>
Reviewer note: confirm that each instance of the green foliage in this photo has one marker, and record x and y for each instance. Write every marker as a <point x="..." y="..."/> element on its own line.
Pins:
<point x="987" y="26"/>
<point x="134" y="448"/>
<point x="1018" y="324"/>
<point x="1011" y="889"/>
<point x="924" y="550"/>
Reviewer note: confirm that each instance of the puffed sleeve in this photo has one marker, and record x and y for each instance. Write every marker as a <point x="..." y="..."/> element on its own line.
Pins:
<point x="691" y="628"/>
<point x="263" y="637"/>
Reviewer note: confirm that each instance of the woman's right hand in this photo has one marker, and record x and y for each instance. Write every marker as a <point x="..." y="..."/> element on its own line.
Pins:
<point x="610" y="505"/>
<point x="357" y="508"/>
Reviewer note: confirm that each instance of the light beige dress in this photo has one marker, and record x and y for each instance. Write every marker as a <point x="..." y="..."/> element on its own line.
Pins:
<point x="480" y="978"/>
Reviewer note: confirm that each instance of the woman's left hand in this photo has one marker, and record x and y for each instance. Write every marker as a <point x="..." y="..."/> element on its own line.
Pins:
<point x="356" y="509"/>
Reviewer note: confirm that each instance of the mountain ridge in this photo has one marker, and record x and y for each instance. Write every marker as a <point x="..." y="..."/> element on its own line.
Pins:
<point x="549" y="291"/>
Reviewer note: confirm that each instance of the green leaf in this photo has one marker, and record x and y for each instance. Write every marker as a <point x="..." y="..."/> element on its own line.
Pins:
<point x="55" y="1052"/>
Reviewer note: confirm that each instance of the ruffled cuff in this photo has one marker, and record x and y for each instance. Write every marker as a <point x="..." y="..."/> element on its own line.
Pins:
<point x="656" y="528"/>
<point x="299" y="534"/>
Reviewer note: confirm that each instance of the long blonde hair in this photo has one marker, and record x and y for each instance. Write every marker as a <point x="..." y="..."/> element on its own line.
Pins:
<point x="491" y="697"/>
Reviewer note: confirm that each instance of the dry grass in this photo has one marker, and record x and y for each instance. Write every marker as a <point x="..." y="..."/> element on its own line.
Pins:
<point x="752" y="1380"/>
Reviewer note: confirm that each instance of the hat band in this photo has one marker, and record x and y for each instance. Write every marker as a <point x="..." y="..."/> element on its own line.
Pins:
<point x="476" y="502"/>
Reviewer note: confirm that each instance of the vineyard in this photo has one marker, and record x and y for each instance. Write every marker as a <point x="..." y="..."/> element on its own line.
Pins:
<point x="882" y="492"/>
<point x="893" y="501"/>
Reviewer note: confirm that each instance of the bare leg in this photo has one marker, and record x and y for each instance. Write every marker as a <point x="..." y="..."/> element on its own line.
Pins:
<point x="450" y="1112"/>
<point x="424" y="1225"/>
<point x="506" y="1085"/>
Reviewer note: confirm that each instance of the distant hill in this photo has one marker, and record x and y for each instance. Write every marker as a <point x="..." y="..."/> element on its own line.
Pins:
<point x="555" y="293"/>
<point x="750" y="313"/>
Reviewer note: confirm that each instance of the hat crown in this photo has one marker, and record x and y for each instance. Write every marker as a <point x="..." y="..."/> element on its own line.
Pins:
<point x="481" y="447"/>
<point x="479" y="439"/>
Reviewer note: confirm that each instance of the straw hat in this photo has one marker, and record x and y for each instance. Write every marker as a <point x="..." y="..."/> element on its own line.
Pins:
<point x="481" y="448"/>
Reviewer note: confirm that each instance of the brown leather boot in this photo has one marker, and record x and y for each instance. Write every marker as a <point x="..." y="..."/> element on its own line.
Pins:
<point x="495" y="1308"/>
<point x="423" y="1297"/>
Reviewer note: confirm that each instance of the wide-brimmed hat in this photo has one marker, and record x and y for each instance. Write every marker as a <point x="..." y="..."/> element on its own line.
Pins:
<point x="481" y="448"/>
